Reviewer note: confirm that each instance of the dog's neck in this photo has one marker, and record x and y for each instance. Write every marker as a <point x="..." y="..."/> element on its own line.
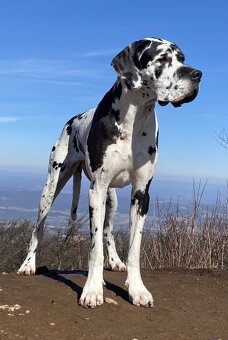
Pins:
<point x="136" y="102"/>
<point x="129" y="107"/>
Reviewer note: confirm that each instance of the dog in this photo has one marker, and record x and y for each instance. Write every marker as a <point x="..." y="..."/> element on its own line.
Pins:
<point x="116" y="144"/>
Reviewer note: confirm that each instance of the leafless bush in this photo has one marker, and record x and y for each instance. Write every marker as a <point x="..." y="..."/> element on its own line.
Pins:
<point x="14" y="238"/>
<point x="198" y="239"/>
<point x="66" y="248"/>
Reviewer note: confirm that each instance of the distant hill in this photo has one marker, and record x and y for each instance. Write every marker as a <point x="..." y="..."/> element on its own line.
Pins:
<point x="20" y="194"/>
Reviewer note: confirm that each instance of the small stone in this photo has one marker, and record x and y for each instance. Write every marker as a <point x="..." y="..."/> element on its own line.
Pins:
<point x="111" y="301"/>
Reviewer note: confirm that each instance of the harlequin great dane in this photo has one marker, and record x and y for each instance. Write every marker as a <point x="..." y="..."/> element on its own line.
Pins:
<point x="116" y="144"/>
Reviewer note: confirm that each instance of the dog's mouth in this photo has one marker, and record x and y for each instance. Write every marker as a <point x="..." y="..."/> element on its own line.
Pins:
<point x="186" y="99"/>
<point x="183" y="101"/>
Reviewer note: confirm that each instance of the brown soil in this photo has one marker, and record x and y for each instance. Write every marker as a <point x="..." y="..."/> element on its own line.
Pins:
<point x="189" y="304"/>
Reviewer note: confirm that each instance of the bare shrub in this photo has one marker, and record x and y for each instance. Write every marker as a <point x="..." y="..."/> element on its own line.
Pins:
<point x="14" y="239"/>
<point x="198" y="239"/>
<point x="66" y="248"/>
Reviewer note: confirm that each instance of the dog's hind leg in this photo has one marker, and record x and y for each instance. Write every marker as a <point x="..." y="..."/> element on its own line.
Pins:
<point x="59" y="173"/>
<point x="111" y="206"/>
<point x="77" y="176"/>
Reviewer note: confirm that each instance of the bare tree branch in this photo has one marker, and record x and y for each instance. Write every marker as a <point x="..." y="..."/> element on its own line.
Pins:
<point x="222" y="138"/>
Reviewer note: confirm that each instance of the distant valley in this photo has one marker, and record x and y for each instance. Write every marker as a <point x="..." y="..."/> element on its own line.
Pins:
<point x="20" y="194"/>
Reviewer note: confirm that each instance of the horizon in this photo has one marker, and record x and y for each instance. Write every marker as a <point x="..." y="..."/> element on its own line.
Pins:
<point x="58" y="67"/>
<point x="20" y="193"/>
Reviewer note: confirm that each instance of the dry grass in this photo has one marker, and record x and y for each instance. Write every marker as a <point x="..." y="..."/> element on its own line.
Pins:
<point x="198" y="239"/>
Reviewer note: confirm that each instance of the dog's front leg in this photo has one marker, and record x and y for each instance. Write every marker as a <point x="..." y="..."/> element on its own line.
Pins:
<point x="138" y="293"/>
<point x="92" y="294"/>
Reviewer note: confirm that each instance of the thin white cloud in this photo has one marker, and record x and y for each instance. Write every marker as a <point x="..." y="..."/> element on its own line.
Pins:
<point x="208" y="115"/>
<point x="54" y="70"/>
<point x="9" y="119"/>
<point x="101" y="53"/>
<point x="13" y="119"/>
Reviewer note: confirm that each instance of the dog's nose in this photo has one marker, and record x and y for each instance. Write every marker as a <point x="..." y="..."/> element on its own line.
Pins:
<point x="195" y="75"/>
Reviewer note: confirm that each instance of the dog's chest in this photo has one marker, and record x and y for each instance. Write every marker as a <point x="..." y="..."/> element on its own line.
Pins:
<point x="124" y="157"/>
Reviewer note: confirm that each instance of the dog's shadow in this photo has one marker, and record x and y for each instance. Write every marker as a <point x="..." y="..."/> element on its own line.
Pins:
<point x="58" y="275"/>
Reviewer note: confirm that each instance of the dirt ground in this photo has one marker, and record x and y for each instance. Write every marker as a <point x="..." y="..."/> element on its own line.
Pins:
<point x="189" y="304"/>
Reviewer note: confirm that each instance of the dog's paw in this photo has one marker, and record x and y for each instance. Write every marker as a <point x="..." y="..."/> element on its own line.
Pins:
<point x="28" y="267"/>
<point x="118" y="266"/>
<point x="139" y="295"/>
<point x="91" y="298"/>
<point x="26" y="270"/>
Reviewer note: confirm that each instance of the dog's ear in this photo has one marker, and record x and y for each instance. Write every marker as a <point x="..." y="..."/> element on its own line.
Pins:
<point x="127" y="63"/>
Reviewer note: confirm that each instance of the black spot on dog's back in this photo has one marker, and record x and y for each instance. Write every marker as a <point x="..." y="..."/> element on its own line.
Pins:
<point x="71" y="121"/>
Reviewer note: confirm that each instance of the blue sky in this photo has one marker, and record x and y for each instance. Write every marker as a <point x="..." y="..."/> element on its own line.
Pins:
<point x="55" y="62"/>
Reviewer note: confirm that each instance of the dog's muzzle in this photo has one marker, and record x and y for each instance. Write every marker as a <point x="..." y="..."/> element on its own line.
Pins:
<point x="195" y="76"/>
<point x="186" y="99"/>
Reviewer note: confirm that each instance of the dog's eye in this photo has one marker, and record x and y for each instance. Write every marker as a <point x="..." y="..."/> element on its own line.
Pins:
<point x="180" y="57"/>
<point x="163" y="59"/>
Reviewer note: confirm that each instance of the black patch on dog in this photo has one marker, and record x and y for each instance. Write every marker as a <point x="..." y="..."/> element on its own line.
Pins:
<point x="117" y="92"/>
<point x="56" y="165"/>
<point x="80" y="116"/>
<point x="63" y="167"/>
<point x="70" y="122"/>
<point x="81" y="147"/>
<point x="92" y="184"/>
<point x="116" y="114"/>
<point x="151" y="150"/>
<point x="158" y="71"/>
<point x="104" y="131"/>
<point x="53" y="149"/>
<point x="90" y="218"/>
<point x="69" y="125"/>
<point x="91" y="212"/>
<point x="108" y="202"/>
<point x="157" y="137"/>
<point x="149" y="54"/>
<point x="137" y="47"/>
<point x="143" y="199"/>
<point x="75" y="143"/>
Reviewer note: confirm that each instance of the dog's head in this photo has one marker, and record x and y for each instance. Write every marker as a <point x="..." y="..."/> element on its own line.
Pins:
<point x="157" y="66"/>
